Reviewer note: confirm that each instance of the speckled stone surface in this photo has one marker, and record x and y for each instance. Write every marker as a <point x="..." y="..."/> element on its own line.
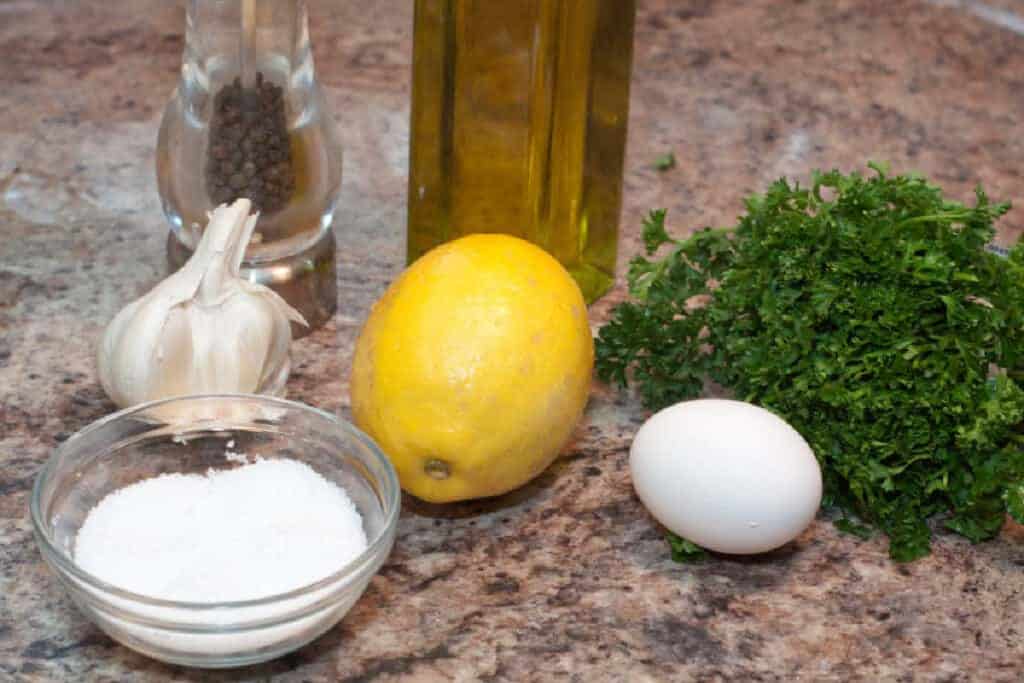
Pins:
<point x="569" y="578"/>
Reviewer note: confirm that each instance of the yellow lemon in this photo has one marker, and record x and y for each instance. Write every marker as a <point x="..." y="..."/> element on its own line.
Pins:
<point x="474" y="367"/>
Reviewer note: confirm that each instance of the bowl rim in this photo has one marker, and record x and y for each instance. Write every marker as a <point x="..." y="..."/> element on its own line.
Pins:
<point x="352" y="567"/>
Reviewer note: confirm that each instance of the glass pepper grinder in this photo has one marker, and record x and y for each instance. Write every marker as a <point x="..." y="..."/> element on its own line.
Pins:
<point x="248" y="120"/>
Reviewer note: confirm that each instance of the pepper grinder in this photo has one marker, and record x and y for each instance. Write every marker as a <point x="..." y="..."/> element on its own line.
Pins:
<point x="248" y="119"/>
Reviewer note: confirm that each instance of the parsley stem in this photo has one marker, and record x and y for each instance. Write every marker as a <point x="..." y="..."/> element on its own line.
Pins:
<point x="950" y="217"/>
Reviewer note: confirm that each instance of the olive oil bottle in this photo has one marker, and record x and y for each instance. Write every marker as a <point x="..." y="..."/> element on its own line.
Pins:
<point x="519" y="114"/>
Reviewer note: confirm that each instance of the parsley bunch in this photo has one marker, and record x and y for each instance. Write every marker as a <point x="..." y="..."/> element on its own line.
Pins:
<point x="869" y="314"/>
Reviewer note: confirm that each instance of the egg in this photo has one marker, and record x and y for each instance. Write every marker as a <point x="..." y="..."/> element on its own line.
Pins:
<point x="726" y="475"/>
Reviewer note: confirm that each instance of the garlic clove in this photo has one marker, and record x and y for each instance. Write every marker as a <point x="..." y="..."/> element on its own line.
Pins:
<point x="173" y="356"/>
<point x="232" y="348"/>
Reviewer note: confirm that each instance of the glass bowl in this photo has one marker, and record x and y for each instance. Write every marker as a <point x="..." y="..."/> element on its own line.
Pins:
<point x="192" y="435"/>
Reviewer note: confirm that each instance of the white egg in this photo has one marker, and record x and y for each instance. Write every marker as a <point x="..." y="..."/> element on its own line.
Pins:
<point x="726" y="475"/>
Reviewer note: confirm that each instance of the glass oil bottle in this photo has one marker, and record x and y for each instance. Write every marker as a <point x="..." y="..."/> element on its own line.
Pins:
<point x="518" y="125"/>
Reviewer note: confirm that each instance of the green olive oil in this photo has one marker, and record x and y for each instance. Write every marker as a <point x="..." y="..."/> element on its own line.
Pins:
<point x="519" y="113"/>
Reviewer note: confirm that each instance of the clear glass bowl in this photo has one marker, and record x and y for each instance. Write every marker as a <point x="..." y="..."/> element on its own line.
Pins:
<point x="191" y="434"/>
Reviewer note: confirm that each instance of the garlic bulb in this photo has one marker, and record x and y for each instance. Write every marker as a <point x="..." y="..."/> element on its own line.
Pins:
<point x="202" y="330"/>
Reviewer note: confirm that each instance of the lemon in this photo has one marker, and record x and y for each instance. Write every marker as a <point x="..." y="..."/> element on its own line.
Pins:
<point x="473" y="369"/>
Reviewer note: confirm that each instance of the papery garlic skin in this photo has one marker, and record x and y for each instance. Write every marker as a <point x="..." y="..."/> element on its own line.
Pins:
<point x="204" y="329"/>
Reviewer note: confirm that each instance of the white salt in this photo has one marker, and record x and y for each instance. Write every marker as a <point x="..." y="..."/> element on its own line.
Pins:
<point x="257" y="530"/>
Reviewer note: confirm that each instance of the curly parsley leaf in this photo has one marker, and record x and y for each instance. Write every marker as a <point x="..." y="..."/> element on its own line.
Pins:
<point x="866" y="311"/>
<point x="653" y="232"/>
<point x="665" y="162"/>
<point x="684" y="551"/>
<point x="1014" y="498"/>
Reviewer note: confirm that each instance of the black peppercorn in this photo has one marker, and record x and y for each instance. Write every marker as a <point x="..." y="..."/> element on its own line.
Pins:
<point x="248" y="154"/>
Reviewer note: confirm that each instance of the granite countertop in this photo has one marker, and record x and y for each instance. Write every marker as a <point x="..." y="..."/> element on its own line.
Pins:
<point x="568" y="578"/>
